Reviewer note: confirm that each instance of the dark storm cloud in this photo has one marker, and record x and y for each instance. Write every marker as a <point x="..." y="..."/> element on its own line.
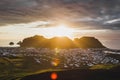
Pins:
<point x="93" y="13"/>
<point x="19" y="11"/>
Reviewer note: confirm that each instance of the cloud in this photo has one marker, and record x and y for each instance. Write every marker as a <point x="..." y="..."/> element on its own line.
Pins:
<point x="93" y="13"/>
<point x="112" y="21"/>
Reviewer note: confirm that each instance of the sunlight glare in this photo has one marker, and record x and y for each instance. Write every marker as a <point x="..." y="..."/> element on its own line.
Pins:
<point x="55" y="62"/>
<point x="60" y="31"/>
<point x="54" y="76"/>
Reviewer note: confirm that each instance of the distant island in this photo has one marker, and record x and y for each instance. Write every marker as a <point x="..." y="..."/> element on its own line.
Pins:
<point x="61" y="42"/>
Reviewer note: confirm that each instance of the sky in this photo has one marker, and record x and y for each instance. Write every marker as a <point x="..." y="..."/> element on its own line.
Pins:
<point x="24" y="18"/>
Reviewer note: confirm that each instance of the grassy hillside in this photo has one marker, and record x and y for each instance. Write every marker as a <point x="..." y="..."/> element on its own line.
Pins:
<point x="17" y="67"/>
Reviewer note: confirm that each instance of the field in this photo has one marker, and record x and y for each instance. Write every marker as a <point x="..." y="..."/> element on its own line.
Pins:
<point x="13" y="68"/>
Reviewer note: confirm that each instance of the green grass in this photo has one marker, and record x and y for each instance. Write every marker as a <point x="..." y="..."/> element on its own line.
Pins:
<point x="103" y="66"/>
<point x="18" y="67"/>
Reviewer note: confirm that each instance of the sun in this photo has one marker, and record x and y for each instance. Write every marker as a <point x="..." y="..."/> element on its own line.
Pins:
<point x="60" y="31"/>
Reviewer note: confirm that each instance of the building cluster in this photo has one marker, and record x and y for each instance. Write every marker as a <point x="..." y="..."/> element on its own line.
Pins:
<point x="65" y="58"/>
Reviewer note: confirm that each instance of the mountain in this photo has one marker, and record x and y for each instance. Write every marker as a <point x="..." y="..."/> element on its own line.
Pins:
<point x="61" y="42"/>
<point x="88" y="42"/>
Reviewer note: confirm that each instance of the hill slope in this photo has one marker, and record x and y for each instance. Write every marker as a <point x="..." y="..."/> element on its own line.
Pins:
<point x="84" y="74"/>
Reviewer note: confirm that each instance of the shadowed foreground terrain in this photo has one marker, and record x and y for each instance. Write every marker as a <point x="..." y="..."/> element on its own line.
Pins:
<point x="79" y="74"/>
